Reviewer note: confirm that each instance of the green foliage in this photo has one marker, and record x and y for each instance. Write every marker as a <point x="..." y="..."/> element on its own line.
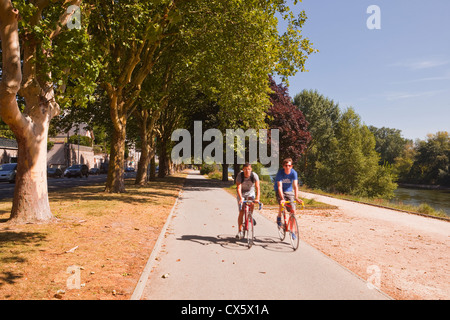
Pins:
<point x="215" y="175"/>
<point x="389" y="143"/>
<point x="50" y="145"/>
<point x="82" y="140"/>
<point x="404" y="162"/>
<point x="267" y="194"/>
<point x="432" y="160"/>
<point x="64" y="57"/>
<point x="5" y="131"/>
<point x="207" y="168"/>
<point x="341" y="156"/>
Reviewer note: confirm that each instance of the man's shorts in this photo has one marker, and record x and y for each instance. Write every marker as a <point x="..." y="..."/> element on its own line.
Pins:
<point x="245" y="198"/>
<point x="288" y="196"/>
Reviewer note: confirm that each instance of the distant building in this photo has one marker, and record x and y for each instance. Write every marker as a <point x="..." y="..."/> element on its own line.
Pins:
<point x="8" y="150"/>
<point x="64" y="154"/>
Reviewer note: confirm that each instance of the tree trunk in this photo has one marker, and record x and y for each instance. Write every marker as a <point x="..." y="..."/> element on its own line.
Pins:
<point x="152" y="168"/>
<point x="142" y="170"/>
<point x="115" y="182"/>
<point x="30" y="203"/>
<point x="147" y="123"/>
<point x="224" y="172"/>
<point x="224" y="166"/>
<point x="163" y="159"/>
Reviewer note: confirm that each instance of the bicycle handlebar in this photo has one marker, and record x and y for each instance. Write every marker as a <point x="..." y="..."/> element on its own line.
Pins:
<point x="302" y="203"/>
<point x="251" y="201"/>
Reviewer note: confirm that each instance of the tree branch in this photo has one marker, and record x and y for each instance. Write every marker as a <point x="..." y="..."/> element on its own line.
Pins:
<point x="65" y="18"/>
<point x="11" y="72"/>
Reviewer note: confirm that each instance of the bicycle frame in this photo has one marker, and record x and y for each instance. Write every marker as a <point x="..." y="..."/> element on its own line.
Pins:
<point x="290" y="225"/>
<point x="248" y="220"/>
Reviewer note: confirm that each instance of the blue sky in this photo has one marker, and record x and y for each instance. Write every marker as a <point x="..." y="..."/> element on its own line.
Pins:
<point x="397" y="76"/>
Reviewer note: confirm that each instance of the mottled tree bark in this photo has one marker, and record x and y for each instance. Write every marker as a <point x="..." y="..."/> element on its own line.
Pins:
<point x="30" y="203"/>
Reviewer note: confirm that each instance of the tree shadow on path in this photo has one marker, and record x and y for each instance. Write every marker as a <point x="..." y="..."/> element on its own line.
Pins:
<point x="202" y="184"/>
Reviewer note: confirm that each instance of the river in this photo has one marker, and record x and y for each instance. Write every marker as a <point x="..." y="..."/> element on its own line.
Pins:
<point x="438" y="199"/>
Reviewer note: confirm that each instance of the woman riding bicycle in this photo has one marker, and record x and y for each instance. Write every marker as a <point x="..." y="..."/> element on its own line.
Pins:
<point x="247" y="186"/>
<point x="286" y="187"/>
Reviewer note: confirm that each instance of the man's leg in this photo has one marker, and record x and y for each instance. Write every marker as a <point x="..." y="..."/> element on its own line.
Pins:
<point x="280" y="209"/>
<point x="290" y="197"/>
<point x="240" y="220"/>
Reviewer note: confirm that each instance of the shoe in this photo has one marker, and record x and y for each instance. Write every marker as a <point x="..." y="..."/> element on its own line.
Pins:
<point x="240" y="235"/>
<point x="254" y="222"/>
<point x="279" y="221"/>
<point x="294" y="237"/>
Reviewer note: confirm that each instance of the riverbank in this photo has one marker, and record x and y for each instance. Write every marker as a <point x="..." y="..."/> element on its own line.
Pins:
<point x="422" y="186"/>
<point x="421" y="209"/>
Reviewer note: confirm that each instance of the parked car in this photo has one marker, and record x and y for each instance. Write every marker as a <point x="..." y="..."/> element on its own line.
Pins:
<point x="129" y="169"/>
<point x="77" y="170"/>
<point x="54" y="172"/>
<point x="8" y="172"/>
<point x="94" y="171"/>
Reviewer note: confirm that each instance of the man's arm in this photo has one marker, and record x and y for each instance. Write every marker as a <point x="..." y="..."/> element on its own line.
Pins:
<point x="280" y="190"/>
<point x="257" y="190"/>
<point x="295" y="186"/>
<point x="239" y="190"/>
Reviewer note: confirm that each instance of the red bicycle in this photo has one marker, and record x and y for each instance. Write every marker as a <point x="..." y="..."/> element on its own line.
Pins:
<point x="290" y="227"/>
<point x="248" y="224"/>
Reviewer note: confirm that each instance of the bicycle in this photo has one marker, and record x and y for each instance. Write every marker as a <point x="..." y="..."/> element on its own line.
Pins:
<point x="291" y="226"/>
<point x="248" y="225"/>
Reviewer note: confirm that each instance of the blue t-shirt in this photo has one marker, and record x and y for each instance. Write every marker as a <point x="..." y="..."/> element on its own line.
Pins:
<point x="286" y="179"/>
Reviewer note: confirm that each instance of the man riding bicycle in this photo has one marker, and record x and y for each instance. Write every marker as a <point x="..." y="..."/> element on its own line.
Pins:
<point x="286" y="187"/>
<point x="247" y="186"/>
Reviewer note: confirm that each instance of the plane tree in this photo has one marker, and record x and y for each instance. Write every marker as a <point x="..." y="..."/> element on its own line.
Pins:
<point x="40" y="57"/>
<point x="237" y="46"/>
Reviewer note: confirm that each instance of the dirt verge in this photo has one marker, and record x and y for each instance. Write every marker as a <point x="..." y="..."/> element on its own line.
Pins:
<point x="406" y="255"/>
<point x="96" y="250"/>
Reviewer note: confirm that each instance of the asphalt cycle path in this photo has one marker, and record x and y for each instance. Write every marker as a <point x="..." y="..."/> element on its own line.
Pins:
<point x="199" y="258"/>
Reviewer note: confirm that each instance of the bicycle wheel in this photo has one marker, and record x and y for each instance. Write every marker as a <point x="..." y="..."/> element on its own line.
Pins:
<point x="249" y="230"/>
<point x="293" y="232"/>
<point x="281" y="228"/>
<point x="245" y="224"/>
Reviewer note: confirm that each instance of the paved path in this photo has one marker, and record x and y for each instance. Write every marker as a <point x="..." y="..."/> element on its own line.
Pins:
<point x="202" y="260"/>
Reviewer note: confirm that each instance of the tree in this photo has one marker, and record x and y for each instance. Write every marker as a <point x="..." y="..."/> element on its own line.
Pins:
<point x="237" y="44"/>
<point x="289" y="120"/>
<point x="356" y="168"/>
<point x="432" y="161"/>
<point x="53" y="57"/>
<point x="322" y="115"/>
<point x="404" y="162"/>
<point x="341" y="156"/>
<point x="389" y="143"/>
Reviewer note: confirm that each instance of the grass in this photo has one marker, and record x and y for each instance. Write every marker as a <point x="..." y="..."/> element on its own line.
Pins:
<point x="109" y="237"/>
<point x="267" y="194"/>
<point x="268" y="198"/>
<point x="421" y="209"/>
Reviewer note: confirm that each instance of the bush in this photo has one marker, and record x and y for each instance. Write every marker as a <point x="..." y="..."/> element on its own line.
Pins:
<point x="84" y="141"/>
<point x="267" y="194"/>
<point x="215" y="175"/>
<point x="207" y="168"/>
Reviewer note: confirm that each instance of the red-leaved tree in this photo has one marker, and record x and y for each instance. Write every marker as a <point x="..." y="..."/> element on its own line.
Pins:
<point x="289" y="120"/>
